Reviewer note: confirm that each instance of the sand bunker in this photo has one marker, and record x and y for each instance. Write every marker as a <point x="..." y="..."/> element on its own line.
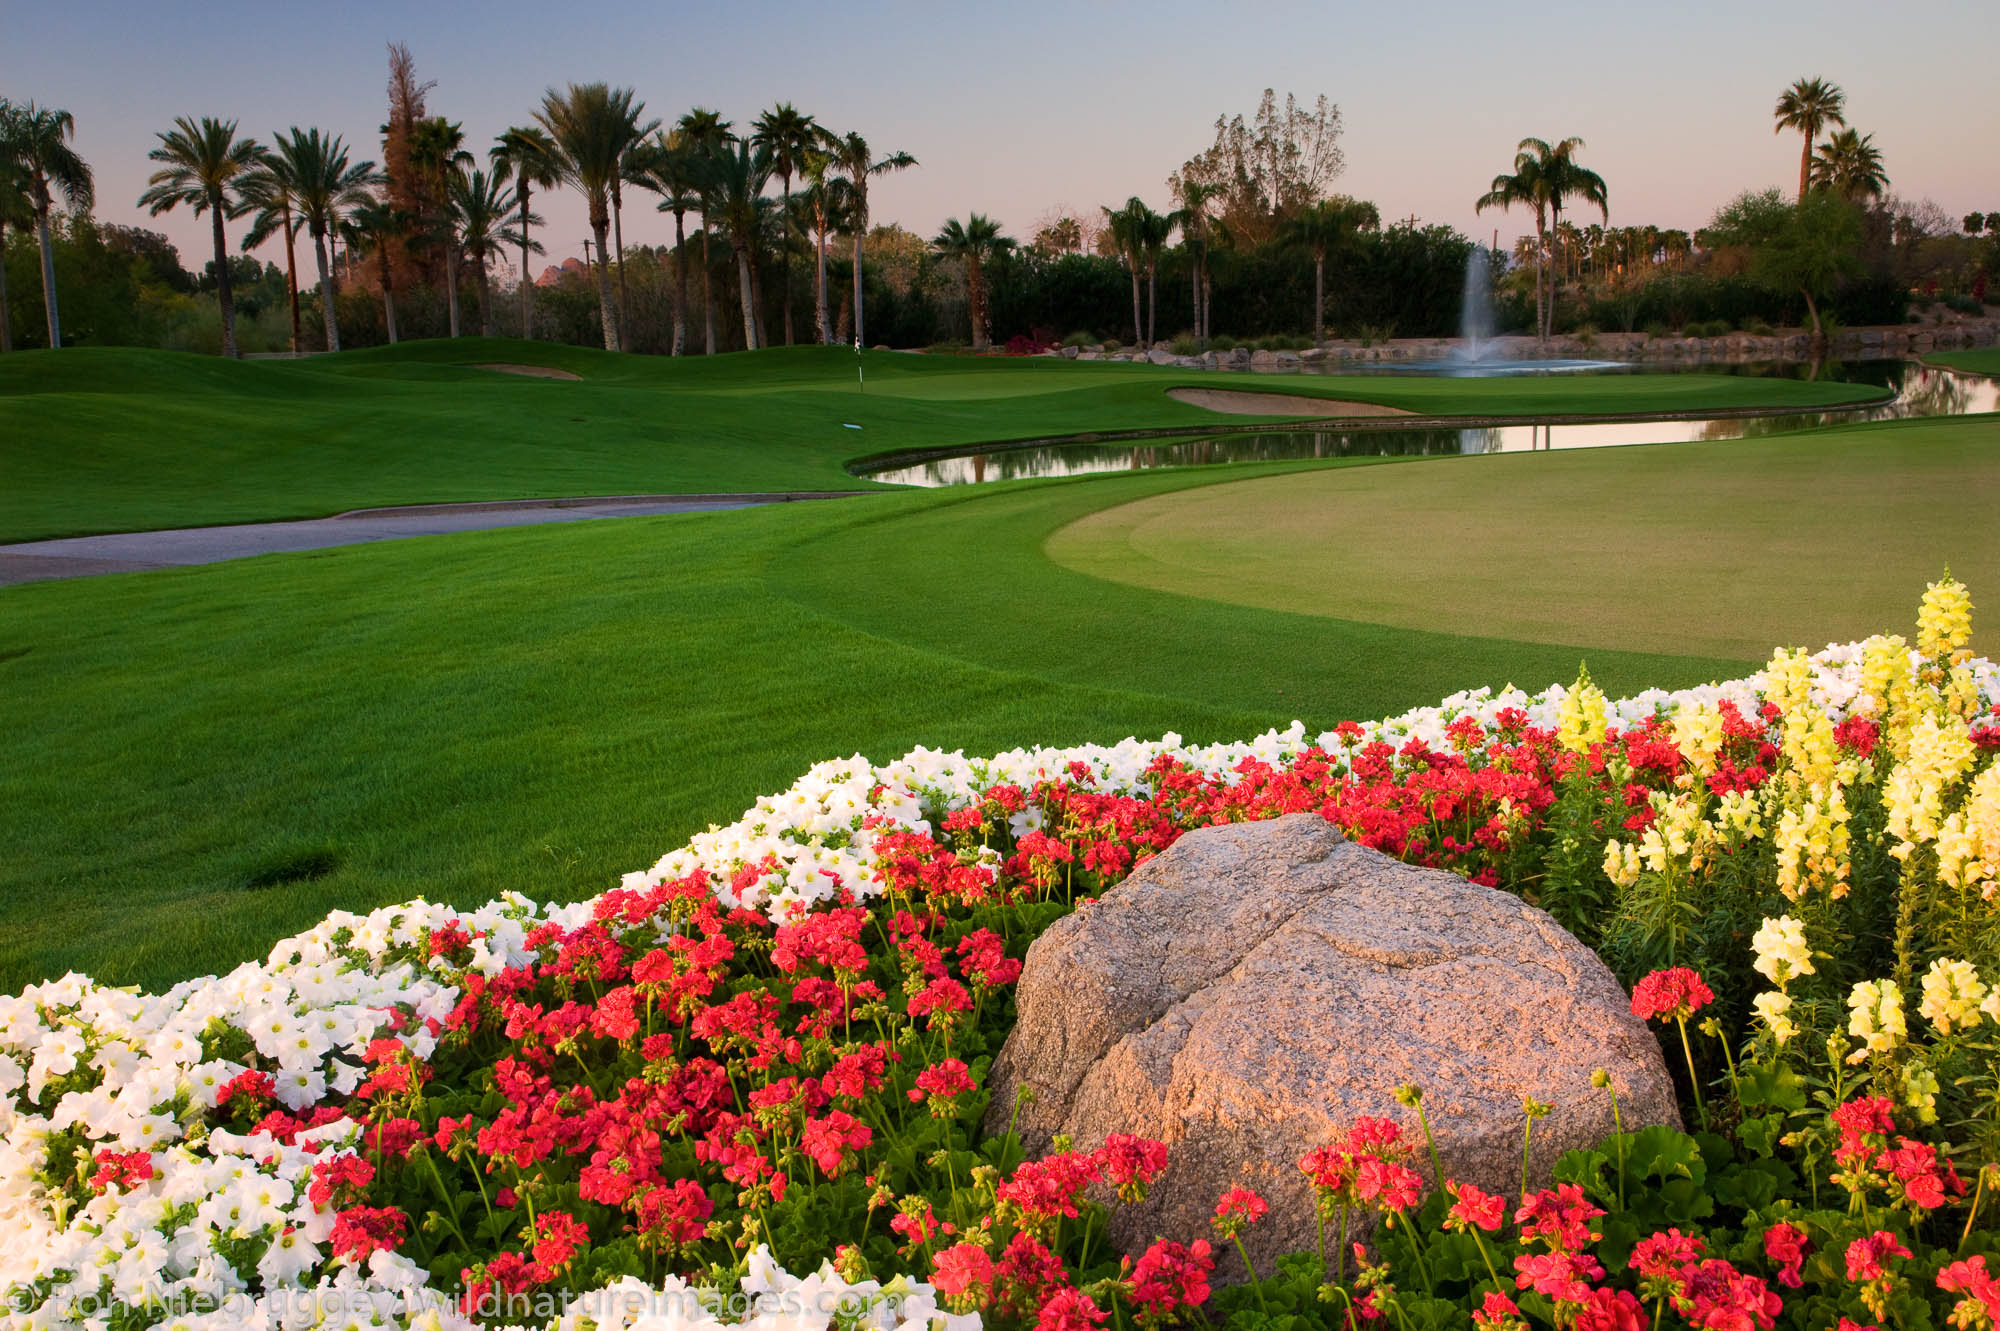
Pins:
<point x="532" y="371"/>
<point x="1276" y="404"/>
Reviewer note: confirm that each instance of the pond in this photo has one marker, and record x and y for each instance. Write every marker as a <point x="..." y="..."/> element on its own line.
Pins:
<point x="1920" y="391"/>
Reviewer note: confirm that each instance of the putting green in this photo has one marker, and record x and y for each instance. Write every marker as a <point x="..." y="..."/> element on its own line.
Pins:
<point x="1716" y="549"/>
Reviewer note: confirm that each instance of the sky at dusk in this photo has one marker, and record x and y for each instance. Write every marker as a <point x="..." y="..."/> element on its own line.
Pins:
<point x="1014" y="109"/>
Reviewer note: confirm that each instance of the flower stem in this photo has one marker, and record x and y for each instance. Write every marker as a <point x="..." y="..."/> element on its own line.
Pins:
<point x="1694" y="1078"/>
<point x="1249" y="1271"/>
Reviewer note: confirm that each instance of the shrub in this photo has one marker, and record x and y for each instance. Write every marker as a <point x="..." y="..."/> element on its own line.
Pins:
<point x="1080" y="338"/>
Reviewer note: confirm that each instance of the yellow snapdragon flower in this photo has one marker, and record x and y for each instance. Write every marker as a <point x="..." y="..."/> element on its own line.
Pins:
<point x="1944" y="624"/>
<point x="1952" y="994"/>
<point x="1813" y="842"/>
<point x="1875" y="1017"/>
<point x="1581" y="719"/>
<point x="1697" y="730"/>
<point x="1782" y="954"/>
<point x="1772" y="1008"/>
<point x="1621" y="862"/>
<point x="1940" y="751"/>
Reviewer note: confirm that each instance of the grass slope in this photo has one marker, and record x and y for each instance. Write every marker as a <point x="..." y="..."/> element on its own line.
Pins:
<point x="219" y="755"/>
<point x="1986" y="360"/>
<point x="1719" y="549"/>
<point x="97" y="440"/>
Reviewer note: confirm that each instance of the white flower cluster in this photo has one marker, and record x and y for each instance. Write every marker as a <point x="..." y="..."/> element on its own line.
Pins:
<point x="813" y="842"/>
<point x="223" y="1233"/>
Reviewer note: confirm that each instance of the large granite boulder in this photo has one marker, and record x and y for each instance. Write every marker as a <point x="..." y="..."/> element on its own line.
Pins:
<point x="1250" y="992"/>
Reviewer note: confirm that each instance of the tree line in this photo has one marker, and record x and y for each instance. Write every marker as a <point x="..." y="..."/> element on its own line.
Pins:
<point x="1253" y="215"/>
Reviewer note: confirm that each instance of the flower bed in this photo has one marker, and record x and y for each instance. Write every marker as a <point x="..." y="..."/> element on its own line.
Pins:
<point x="770" y="1048"/>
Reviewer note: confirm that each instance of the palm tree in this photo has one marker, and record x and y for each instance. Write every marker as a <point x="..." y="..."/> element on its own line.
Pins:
<point x="669" y="169"/>
<point x="858" y="162"/>
<point x="1527" y="186"/>
<point x="1323" y="228"/>
<point x="1127" y="227"/>
<point x="1809" y="106"/>
<point x="201" y="166"/>
<point x="634" y="134"/>
<point x="788" y="135"/>
<point x="703" y="135"/>
<point x="1199" y="231"/>
<point x="591" y="127"/>
<point x="528" y="156"/>
<point x="829" y="201"/>
<point x="437" y="149"/>
<point x="326" y="187"/>
<point x="739" y="201"/>
<point x="1850" y="165"/>
<point x="481" y="205"/>
<point x="1563" y="179"/>
<point x="974" y="241"/>
<point x="378" y="225"/>
<point x="268" y="191"/>
<point x="36" y="139"/>
<point x="16" y="210"/>
<point x="1155" y="229"/>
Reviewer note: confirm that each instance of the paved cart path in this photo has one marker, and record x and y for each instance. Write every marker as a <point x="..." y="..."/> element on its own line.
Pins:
<point x="132" y="552"/>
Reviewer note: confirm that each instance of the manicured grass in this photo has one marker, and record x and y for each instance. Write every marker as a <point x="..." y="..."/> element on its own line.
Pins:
<point x="1986" y="360"/>
<point x="95" y="440"/>
<point x="1719" y="549"/>
<point x="217" y="756"/>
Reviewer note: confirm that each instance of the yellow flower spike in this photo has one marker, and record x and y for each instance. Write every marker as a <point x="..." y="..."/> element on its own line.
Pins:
<point x="1944" y="624"/>
<point x="1580" y="720"/>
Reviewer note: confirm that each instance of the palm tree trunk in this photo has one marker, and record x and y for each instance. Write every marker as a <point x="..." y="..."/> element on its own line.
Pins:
<point x="292" y="278"/>
<point x="618" y="238"/>
<point x="1138" y="328"/>
<point x="749" y="302"/>
<point x="1555" y="273"/>
<point x="1152" y="303"/>
<point x="757" y="299"/>
<point x="860" y="225"/>
<point x="680" y="285"/>
<point x="785" y="251"/>
<point x="819" y="296"/>
<point x="6" y="327"/>
<point x="1805" y="167"/>
<point x="606" y="315"/>
<point x="485" y="299"/>
<point x="325" y="288"/>
<point x="975" y="296"/>
<point x="707" y="293"/>
<point x="1319" y="297"/>
<point x="451" y="280"/>
<point x="1207" y="304"/>
<point x="1194" y="284"/>
<point x="224" y="297"/>
<point x="527" y="283"/>
<point x="48" y="277"/>
<point x="388" y="293"/>
<point x="1541" y="275"/>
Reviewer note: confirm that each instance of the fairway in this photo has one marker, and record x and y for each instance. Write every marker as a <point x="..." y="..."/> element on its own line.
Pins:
<point x="219" y="755"/>
<point x="1716" y="549"/>
<point x="119" y="440"/>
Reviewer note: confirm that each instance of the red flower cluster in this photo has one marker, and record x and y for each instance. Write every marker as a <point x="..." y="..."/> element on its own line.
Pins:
<point x="1674" y="994"/>
<point x="124" y="1171"/>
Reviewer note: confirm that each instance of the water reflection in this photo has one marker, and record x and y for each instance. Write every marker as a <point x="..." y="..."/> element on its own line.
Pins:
<point x="1920" y="391"/>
